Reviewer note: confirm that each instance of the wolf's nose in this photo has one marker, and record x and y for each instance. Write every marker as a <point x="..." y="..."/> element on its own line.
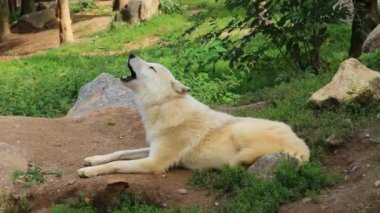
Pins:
<point x="132" y="56"/>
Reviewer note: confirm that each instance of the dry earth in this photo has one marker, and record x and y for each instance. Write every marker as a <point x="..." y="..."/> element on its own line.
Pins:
<point x="358" y="162"/>
<point x="62" y="144"/>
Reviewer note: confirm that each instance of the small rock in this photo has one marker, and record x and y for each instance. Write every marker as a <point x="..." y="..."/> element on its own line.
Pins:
<point x="334" y="140"/>
<point x="306" y="200"/>
<point x="163" y="175"/>
<point x="378" y="116"/>
<point x="265" y="165"/>
<point x="182" y="191"/>
<point x="354" y="168"/>
<point x="216" y="203"/>
<point x="348" y="121"/>
<point x="377" y="183"/>
<point x="71" y="182"/>
<point x="87" y="200"/>
<point x="367" y="135"/>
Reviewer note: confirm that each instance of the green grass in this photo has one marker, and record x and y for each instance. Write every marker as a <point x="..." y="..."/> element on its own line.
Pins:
<point x="241" y="191"/>
<point x="288" y="102"/>
<point x="29" y="177"/>
<point x="124" y="203"/>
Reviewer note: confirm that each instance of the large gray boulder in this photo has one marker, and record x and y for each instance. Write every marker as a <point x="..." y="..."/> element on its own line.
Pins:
<point x="135" y="11"/>
<point x="372" y="41"/>
<point x="352" y="82"/>
<point x="36" y="21"/>
<point x="104" y="91"/>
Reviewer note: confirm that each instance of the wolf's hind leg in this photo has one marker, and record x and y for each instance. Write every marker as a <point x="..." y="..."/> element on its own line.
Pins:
<point x="245" y="156"/>
<point x="119" y="155"/>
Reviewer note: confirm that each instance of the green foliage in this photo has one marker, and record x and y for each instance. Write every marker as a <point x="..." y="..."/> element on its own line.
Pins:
<point x="294" y="31"/>
<point x="14" y="17"/>
<point x="81" y="204"/>
<point x="136" y="204"/>
<point x="24" y="205"/>
<point x="371" y="60"/>
<point x="242" y="191"/>
<point x="33" y="175"/>
<point x="211" y="82"/>
<point x="170" y="6"/>
<point x="77" y="204"/>
<point x="82" y="6"/>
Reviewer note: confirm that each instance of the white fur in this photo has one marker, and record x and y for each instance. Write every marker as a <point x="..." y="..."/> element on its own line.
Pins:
<point x="182" y="131"/>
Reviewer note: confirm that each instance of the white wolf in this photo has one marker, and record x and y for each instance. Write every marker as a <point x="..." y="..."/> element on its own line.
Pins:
<point x="181" y="131"/>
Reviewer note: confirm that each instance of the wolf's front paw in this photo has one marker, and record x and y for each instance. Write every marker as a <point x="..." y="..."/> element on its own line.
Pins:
<point x="95" y="160"/>
<point x="87" y="172"/>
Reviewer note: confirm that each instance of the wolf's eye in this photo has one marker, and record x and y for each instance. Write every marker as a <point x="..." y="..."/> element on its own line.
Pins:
<point x="152" y="68"/>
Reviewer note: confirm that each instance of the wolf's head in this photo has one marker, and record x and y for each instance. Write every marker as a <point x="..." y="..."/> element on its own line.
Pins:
<point x="152" y="82"/>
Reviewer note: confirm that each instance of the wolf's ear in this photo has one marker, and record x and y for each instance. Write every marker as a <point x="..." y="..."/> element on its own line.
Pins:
<point x="179" y="87"/>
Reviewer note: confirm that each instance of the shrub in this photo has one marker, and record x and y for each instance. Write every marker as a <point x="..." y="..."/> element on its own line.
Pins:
<point x="170" y="6"/>
<point x="372" y="60"/>
<point x="242" y="191"/>
<point x="82" y="6"/>
<point x="295" y="31"/>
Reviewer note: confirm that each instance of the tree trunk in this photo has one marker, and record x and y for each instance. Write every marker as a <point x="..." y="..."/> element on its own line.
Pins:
<point x="27" y="6"/>
<point x="12" y="6"/>
<point x="119" y="5"/>
<point x="4" y="21"/>
<point x="65" y="30"/>
<point x="366" y="18"/>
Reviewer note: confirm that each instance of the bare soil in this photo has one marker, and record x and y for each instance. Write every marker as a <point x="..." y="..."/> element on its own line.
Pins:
<point x="358" y="162"/>
<point x="62" y="143"/>
<point x="23" y="44"/>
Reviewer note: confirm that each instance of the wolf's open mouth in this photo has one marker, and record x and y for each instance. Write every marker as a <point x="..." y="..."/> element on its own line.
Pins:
<point x="131" y="77"/>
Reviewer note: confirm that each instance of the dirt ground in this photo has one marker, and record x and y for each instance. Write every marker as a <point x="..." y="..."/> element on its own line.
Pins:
<point x="358" y="162"/>
<point x="62" y="144"/>
<point x="24" y="44"/>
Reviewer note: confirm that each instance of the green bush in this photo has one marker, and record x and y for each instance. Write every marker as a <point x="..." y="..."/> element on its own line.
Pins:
<point x="371" y="60"/>
<point x="14" y="17"/>
<point x="170" y="6"/>
<point x="82" y="6"/>
<point x="242" y="191"/>
<point x="33" y="175"/>
<point x="294" y="30"/>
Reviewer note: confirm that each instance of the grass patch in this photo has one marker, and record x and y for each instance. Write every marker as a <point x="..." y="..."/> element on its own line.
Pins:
<point x="288" y="103"/>
<point x="242" y="191"/>
<point x="125" y="203"/>
<point x="32" y="176"/>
